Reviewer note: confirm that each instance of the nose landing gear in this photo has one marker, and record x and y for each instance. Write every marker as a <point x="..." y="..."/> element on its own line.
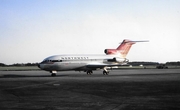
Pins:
<point x="53" y="73"/>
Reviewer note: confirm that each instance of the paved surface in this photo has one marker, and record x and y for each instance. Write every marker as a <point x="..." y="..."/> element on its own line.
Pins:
<point x="141" y="89"/>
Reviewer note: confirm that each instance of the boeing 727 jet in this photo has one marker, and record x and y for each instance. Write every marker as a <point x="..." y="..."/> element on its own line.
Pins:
<point x="88" y="63"/>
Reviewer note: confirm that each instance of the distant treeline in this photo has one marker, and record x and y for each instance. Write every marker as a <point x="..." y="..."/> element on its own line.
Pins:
<point x="143" y="63"/>
<point x="173" y="63"/>
<point x="154" y="63"/>
<point x="20" y="64"/>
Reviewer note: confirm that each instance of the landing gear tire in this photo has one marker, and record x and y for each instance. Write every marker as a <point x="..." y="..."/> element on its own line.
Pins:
<point x="53" y="74"/>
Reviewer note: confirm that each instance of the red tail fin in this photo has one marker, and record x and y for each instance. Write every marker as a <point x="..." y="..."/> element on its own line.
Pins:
<point x="122" y="49"/>
<point x="125" y="47"/>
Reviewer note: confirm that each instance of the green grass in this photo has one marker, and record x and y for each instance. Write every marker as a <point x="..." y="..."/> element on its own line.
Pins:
<point x="19" y="68"/>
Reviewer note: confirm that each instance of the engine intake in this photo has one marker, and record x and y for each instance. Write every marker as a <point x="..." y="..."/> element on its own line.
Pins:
<point x="116" y="60"/>
<point x="110" y="51"/>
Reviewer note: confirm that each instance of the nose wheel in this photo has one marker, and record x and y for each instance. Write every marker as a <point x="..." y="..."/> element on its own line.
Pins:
<point x="53" y="73"/>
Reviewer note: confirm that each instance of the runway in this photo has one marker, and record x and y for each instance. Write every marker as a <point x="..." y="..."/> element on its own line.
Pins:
<point x="137" y="89"/>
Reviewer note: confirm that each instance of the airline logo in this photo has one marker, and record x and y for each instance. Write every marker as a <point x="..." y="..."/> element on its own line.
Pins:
<point x="125" y="47"/>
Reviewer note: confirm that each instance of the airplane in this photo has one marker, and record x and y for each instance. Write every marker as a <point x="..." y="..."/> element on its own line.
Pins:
<point x="88" y="63"/>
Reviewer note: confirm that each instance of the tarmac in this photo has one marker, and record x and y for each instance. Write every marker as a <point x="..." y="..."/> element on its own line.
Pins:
<point x="126" y="89"/>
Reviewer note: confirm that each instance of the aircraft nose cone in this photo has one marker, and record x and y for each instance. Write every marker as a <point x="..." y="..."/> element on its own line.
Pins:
<point x="41" y="66"/>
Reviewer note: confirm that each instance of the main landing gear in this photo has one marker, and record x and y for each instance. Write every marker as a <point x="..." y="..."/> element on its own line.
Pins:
<point x="53" y="73"/>
<point x="105" y="71"/>
<point x="89" y="72"/>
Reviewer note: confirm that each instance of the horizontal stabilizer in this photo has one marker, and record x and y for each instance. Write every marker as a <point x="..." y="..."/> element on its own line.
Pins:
<point x="126" y="41"/>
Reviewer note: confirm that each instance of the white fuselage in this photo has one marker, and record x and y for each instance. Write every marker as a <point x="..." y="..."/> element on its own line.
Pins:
<point x="80" y="62"/>
<point x="88" y="63"/>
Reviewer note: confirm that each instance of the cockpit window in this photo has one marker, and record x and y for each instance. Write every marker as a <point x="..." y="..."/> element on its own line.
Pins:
<point x="56" y="60"/>
<point x="44" y="61"/>
<point x="48" y="61"/>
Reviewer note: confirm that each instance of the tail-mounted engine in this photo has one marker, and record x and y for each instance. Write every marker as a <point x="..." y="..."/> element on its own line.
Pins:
<point x="110" y="51"/>
<point x="120" y="60"/>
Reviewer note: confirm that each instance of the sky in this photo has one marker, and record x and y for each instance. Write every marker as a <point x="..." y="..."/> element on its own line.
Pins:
<point x="31" y="30"/>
